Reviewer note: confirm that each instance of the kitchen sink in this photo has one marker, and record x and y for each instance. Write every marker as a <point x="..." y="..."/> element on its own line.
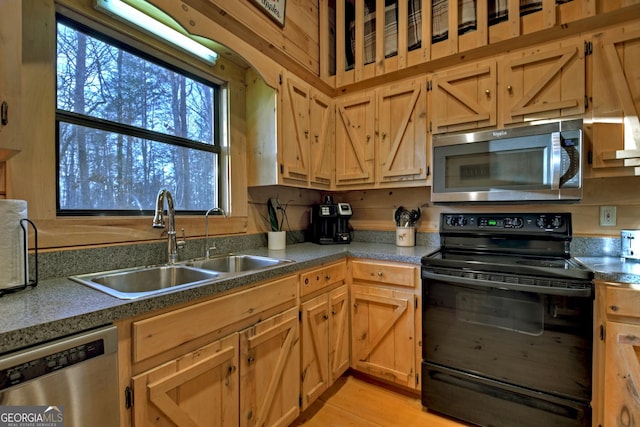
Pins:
<point x="131" y="283"/>
<point x="143" y="281"/>
<point x="236" y="263"/>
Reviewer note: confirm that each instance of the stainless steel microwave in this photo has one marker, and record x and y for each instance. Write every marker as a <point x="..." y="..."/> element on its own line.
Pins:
<point x="540" y="162"/>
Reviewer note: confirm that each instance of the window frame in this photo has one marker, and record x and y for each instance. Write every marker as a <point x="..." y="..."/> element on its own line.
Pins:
<point x="219" y="145"/>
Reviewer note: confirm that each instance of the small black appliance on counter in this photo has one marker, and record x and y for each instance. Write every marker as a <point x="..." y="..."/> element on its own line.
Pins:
<point x="330" y="222"/>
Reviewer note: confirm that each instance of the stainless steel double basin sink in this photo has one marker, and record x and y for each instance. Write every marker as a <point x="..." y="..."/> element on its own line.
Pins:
<point x="136" y="282"/>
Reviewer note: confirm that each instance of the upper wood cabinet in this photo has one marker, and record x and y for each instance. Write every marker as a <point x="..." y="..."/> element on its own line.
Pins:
<point x="364" y="39"/>
<point x="307" y="134"/>
<point x="543" y="82"/>
<point x="10" y="78"/>
<point x="355" y="139"/>
<point x="615" y="134"/>
<point x="290" y="134"/>
<point x="402" y="132"/>
<point x="381" y="136"/>
<point x="464" y="97"/>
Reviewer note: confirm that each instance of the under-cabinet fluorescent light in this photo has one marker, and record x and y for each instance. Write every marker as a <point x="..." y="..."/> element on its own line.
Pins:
<point x="130" y="14"/>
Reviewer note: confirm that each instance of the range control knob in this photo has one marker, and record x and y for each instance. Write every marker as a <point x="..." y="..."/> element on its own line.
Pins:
<point x="556" y="222"/>
<point x="541" y="222"/>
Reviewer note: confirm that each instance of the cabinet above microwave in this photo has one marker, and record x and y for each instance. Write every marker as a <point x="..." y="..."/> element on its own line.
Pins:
<point x="541" y="162"/>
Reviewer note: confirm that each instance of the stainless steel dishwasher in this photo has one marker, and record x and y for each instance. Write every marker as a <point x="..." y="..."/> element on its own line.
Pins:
<point x="77" y="375"/>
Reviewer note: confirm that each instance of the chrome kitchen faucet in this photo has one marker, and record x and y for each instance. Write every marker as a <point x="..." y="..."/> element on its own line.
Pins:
<point x="206" y="230"/>
<point x="158" y="222"/>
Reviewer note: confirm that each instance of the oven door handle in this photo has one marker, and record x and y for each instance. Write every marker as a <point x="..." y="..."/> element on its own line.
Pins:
<point x="586" y="293"/>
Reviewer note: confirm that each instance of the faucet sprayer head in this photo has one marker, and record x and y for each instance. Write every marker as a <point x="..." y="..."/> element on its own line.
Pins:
<point x="158" y="218"/>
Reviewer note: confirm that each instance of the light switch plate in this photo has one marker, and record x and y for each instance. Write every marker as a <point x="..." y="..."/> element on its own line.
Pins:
<point x="607" y="216"/>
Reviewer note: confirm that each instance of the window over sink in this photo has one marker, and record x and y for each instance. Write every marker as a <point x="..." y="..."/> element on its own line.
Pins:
<point x="129" y="124"/>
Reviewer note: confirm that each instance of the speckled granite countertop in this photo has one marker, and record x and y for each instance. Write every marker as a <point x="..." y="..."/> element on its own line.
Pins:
<point x="613" y="269"/>
<point x="60" y="307"/>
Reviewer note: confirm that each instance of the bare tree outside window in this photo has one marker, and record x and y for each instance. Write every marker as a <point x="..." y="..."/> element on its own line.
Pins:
<point x="127" y="126"/>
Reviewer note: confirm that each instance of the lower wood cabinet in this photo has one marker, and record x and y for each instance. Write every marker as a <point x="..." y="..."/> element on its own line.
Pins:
<point x="384" y="327"/>
<point x="324" y="317"/>
<point x="325" y="342"/>
<point x="270" y="371"/>
<point x="197" y="389"/>
<point x="617" y="396"/>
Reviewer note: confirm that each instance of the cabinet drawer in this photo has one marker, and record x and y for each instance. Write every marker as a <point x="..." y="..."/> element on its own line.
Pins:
<point x="623" y="302"/>
<point x="379" y="272"/>
<point x="322" y="277"/>
<point x="166" y="331"/>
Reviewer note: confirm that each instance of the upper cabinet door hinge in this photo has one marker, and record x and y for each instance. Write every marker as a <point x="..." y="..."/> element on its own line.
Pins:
<point x="428" y="85"/>
<point x="603" y="333"/>
<point x="588" y="48"/>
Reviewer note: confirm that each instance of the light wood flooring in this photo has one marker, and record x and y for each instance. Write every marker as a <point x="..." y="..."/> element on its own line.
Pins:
<point x="358" y="403"/>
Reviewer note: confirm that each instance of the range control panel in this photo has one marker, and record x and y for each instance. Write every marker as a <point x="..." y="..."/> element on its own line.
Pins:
<point x="516" y="223"/>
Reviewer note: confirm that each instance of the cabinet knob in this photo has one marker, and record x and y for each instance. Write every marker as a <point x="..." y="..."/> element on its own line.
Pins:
<point x="325" y="317"/>
<point x="487" y="92"/>
<point x="306" y="281"/>
<point x="250" y="360"/>
<point x="384" y="135"/>
<point x="379" y="273"/>
<point x="327" y="277"/>
<point x="614" y="308"/>
<point x="306" y="134"/>
<point x="368" y="138"/>
<point x="509" y="88"/>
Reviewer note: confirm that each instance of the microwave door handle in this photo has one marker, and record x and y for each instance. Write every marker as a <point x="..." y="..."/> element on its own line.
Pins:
<point x="556" y="160"/>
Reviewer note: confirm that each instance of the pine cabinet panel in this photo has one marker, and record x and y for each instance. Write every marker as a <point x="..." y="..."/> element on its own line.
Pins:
<point x="464" y="98"/>
<point x="197" y="389"/>
<point x="384" y="273"/>
<point x="325" y="342"/>
<point x="545" y="81"/>
<point x="402" y="132"/>
<point x="382" y="331"/>
<point x="307" y="134"/>
<point x="321" y="278"/>
<point x="10" y="80"/>
<point x="616" y="100"/>
<point x="381" y="136"/>
<point x="322" y="137"/>
<point x="295" y="129"/>
<point x="622" y="375"/>
<point x="270" y="371"/>
<point x="355" y="152"/>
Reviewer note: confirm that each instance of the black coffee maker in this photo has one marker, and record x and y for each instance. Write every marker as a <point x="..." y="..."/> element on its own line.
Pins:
<point x="330" y="222"/>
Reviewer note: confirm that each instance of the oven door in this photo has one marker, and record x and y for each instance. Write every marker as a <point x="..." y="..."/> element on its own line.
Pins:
<point x="513" y="352"/>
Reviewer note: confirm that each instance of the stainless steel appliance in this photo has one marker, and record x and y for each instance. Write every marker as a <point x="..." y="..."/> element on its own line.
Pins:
<point x="535" y="162"/>
<point x="507" y="322"/>
<point x="330" y="222"/>
<point x="630" y="243"/>
<point x="78" y="375"/>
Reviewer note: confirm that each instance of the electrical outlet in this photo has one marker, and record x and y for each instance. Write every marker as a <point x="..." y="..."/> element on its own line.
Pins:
<point x="607" y="216"/>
